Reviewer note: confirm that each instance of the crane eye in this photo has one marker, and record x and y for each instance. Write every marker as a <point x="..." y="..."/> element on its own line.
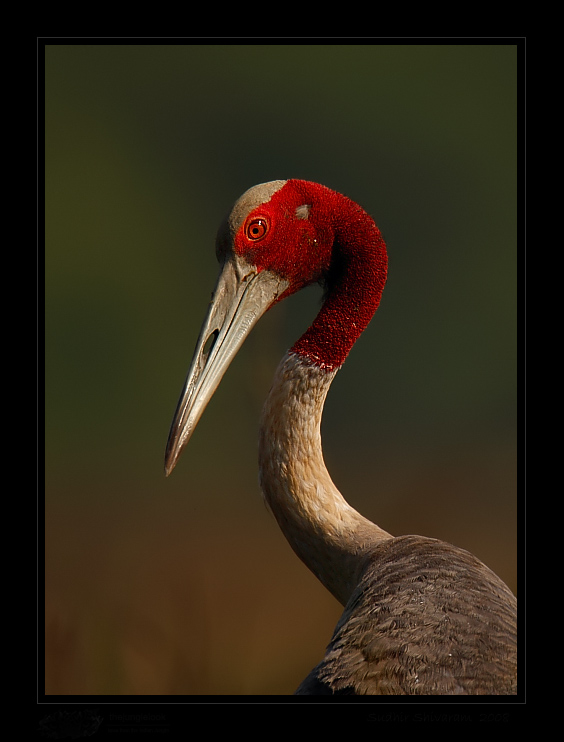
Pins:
<point x="256" y="229"/>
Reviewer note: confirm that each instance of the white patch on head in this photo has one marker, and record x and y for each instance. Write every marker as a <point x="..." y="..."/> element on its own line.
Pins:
<point x="302" y="212"/>
<point x="255" y="196"/>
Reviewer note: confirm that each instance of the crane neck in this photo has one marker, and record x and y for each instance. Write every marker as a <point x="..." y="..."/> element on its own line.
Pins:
<point x="327" y="534"/>
<point x="354" y="281"/>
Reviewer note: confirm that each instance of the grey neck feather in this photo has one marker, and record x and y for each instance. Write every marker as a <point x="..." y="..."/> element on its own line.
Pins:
<point x="328" y="535"/>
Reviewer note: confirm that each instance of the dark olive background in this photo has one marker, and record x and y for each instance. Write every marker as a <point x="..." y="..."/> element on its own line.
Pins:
<point x="185" y="585"/>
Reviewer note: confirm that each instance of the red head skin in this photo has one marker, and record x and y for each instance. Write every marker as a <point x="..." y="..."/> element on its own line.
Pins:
<point x="308" y="233"/>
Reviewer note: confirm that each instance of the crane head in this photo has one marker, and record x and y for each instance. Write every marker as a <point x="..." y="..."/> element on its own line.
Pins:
<point x="278" y="238"/>
<point x="275" y="227"/>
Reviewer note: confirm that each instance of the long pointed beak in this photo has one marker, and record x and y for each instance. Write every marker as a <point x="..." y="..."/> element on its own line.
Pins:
<point x="241" y="296"/>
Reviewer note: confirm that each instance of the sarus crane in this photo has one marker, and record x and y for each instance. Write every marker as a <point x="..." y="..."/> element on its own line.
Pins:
<point x="421" y="617"/>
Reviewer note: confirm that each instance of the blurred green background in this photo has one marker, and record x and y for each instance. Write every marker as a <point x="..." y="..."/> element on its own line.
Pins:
<point x="185" y="585"/>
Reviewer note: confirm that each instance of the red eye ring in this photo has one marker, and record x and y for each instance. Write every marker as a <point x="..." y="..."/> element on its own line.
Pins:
<point x="256" y="229"/>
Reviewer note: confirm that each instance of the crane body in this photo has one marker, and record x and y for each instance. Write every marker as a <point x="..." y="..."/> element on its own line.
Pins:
<point x="421" y="617"/>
